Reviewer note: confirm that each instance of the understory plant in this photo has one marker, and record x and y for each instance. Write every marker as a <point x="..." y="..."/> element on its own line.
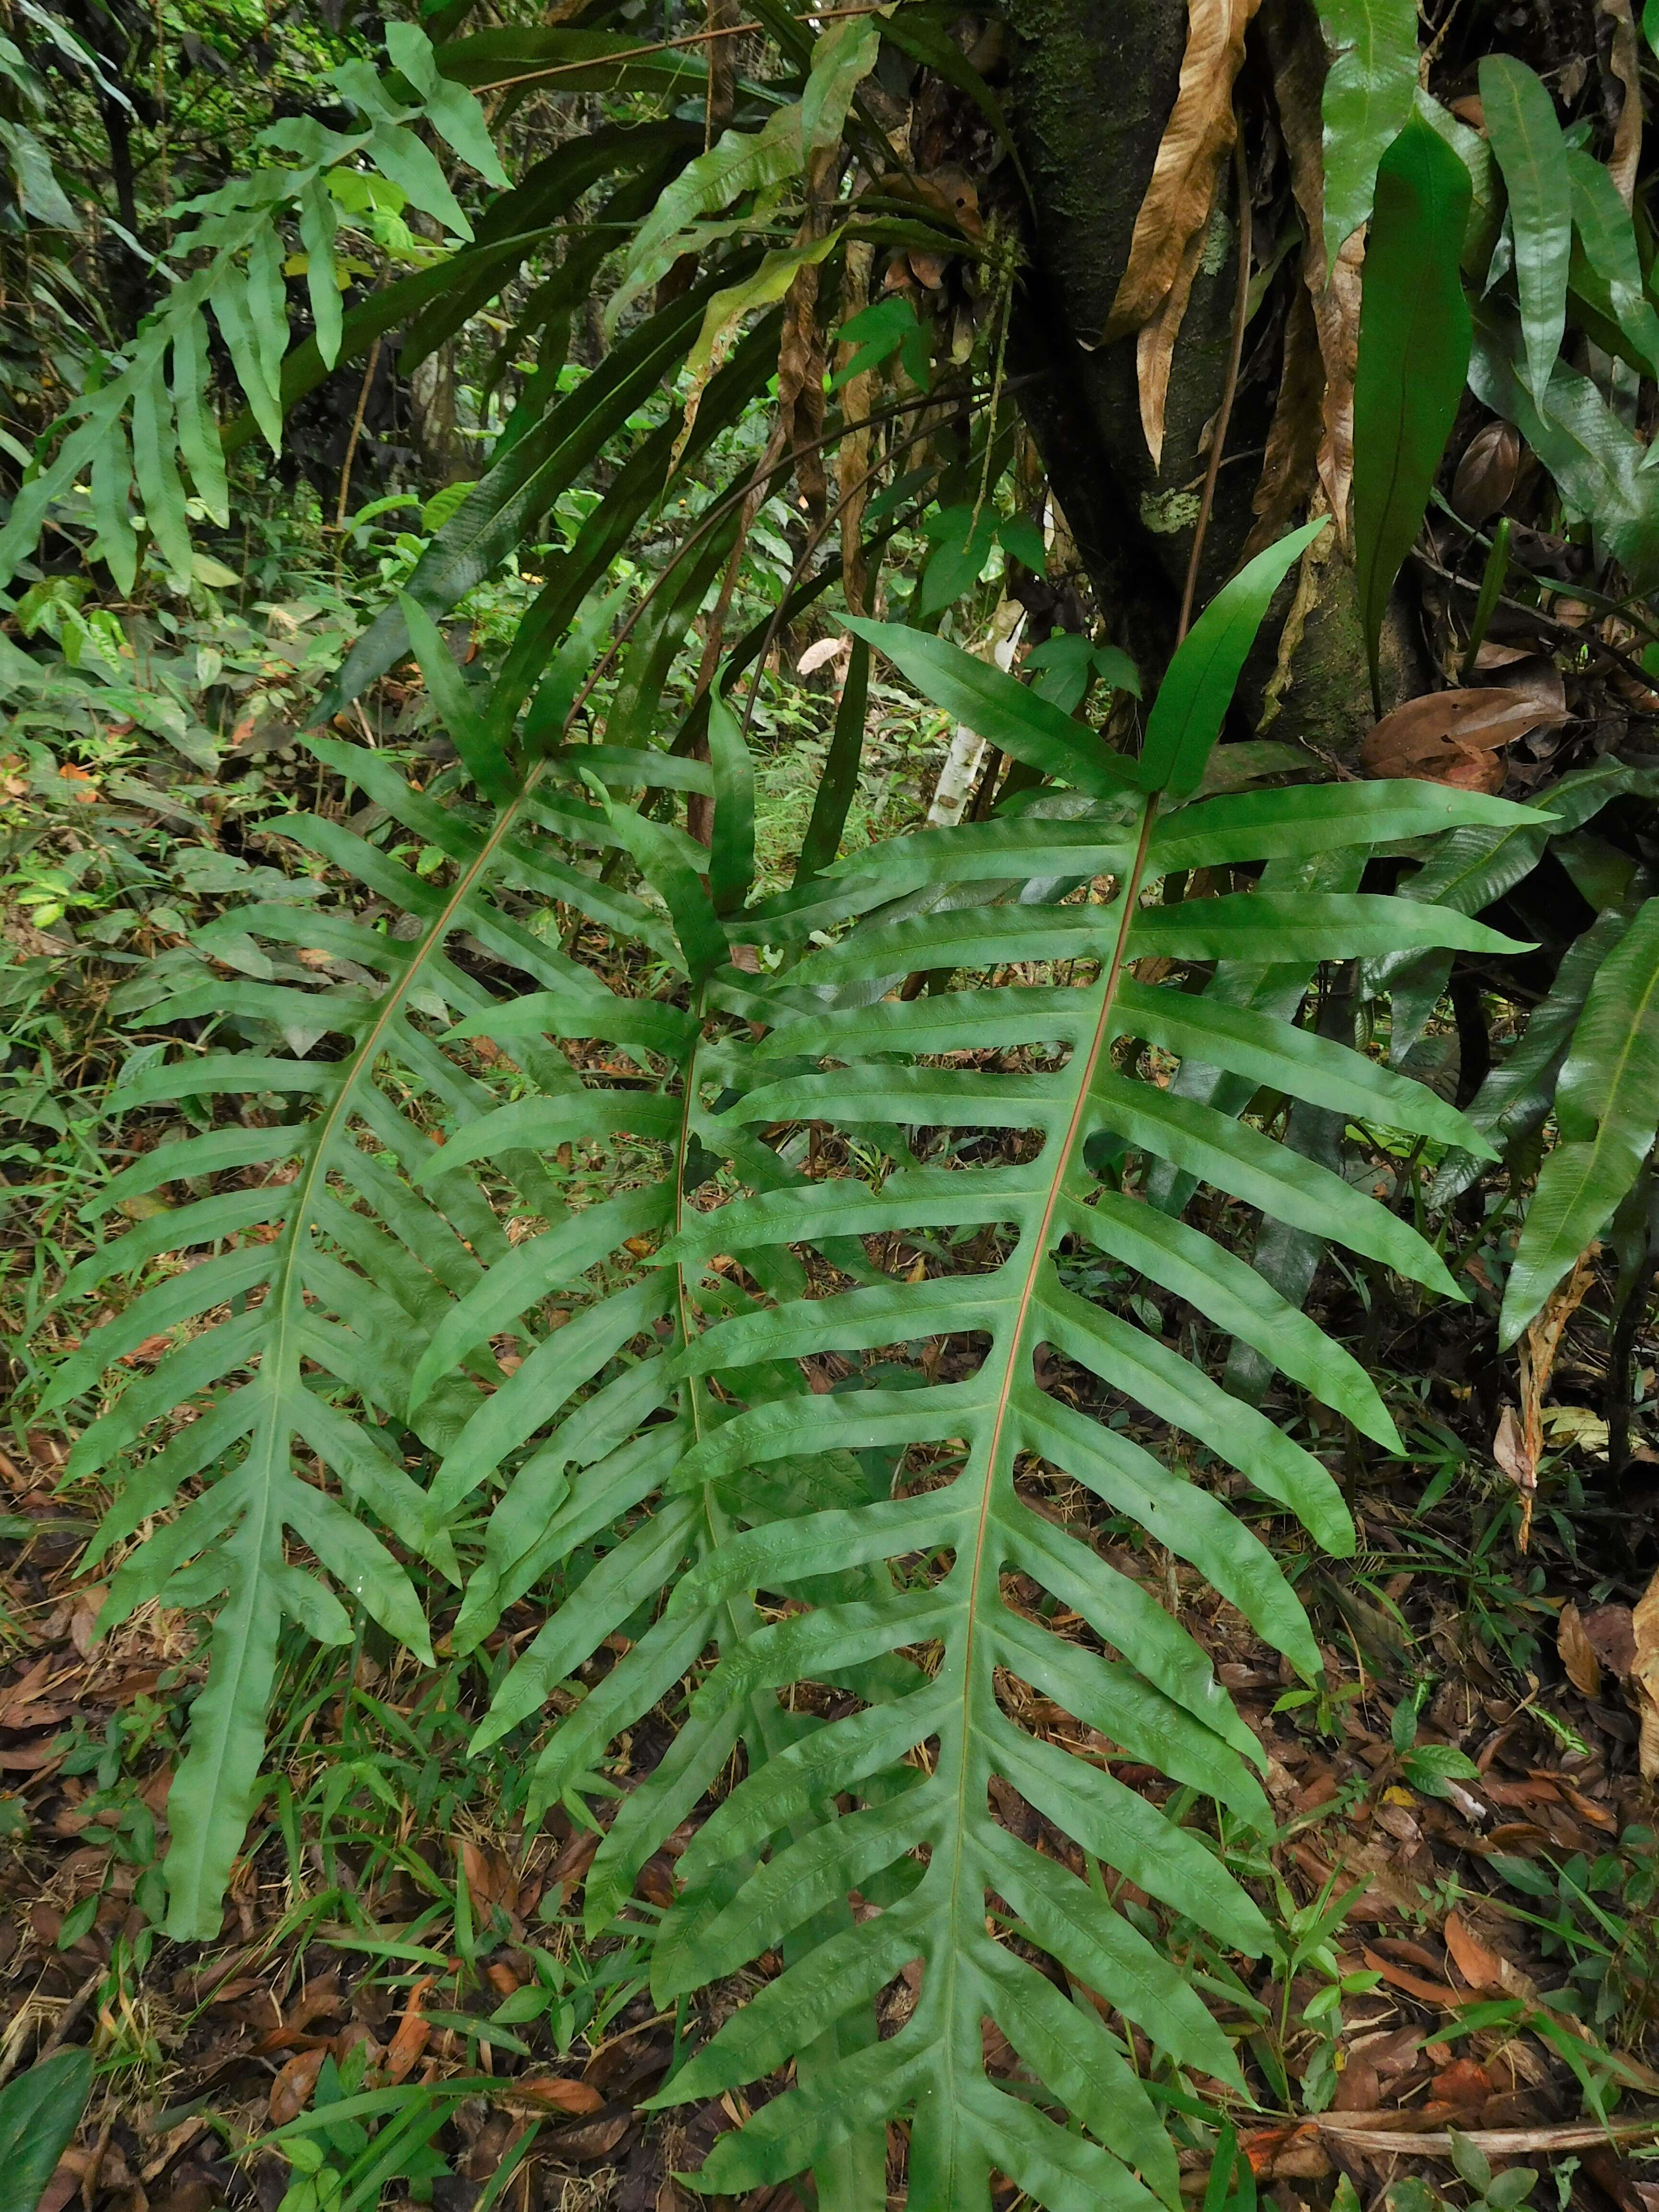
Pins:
<point x="373" y="1403"/>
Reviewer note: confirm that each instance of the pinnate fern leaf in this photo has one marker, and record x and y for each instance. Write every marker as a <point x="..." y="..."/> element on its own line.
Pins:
<point x="337" y="1270"/>
<point x="894" y="1802"/>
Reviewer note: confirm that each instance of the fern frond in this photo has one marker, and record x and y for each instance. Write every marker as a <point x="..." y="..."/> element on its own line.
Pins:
<point x="339" y="1271"/>
<point x="780" y="1853"/>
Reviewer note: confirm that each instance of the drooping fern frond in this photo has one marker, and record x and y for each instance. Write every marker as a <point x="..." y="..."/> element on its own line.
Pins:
<point x="337" y="1270"/>
<point x="922" y="1846"/>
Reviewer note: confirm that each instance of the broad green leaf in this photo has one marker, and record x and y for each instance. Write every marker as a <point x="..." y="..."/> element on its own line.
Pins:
<point x="1413" y="358"/>
<point x="725" y="313"/>
<point x="1611" y="268"/>
<point x="40" y="2109"/>
<point x="1598" y="461"/>
<point x="732" y="856"/>
<point x="454" y="114"/>
<point x="1368" y="96"/>
<point x="1526" y="138"/>
<point x="838" y="786"/>
<point x="843" y="58"/>
<point x="1198" y="684"/>
<point x="1005" y="713"/>
<point x="1606" y="1106"/>
<point x="463" y="722"/>
<point x="740" y="161"/>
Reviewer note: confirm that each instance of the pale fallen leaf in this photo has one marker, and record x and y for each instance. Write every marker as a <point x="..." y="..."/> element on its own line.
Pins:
<point x="1182" y="190"/>
<point x="1577" y="1654"/>
<point x="1454" y="736"/>
<point x="820" y="653"/>
<point x="1575" y="1428"/>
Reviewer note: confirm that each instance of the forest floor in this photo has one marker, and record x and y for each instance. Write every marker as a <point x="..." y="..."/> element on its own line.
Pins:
<point x="1501" y="1902"/>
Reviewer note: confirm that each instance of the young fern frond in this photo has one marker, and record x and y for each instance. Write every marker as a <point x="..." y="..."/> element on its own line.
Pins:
<point x="779" y="1854"/>
<point x="336" y="1271"/>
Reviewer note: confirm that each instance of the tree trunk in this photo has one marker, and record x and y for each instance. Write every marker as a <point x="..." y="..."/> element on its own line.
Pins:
<point x="1091" y="87"/>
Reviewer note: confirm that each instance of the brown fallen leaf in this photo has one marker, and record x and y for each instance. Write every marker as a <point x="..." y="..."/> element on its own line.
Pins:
<point x="1583" y="1669"/>
<point x="557" y="2092"/>
<point x="1182" y="189"/>
<point x="490" y="1879"/>
<point x="1454" y="736"/>
<point x="1358" y="2088"/>
<point x="593" y="2139"/>
<point x="414" y="2034"/>
<point x="1644" y="1676"/>
<point x="1486" y="475"/>
<point x="1627" y="131"/>
<point x="290" y="2093"/>
<point x="1480" y="1966"/>
<point x="1414" y="1985"/>
<point x="1462" y="2082"/>
<point x="573" y="1862"/>
<point x="1293" y="2154"/>
<point x="1609" y="1631"/>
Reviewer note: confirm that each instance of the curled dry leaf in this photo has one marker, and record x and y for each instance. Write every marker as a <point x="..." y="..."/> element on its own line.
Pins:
<point x="1610" y="1632"/>
<point x="821" y="654"/>
<point x="1455" y="737"/>
<point x="1181" y="191"/>
<point x="1645" y="1675"/>
<point x="1297" y="56"/>
<point x="1292" y="459"/>
<point x="1508" y="1449"/>
<point x="554" y="2093"/>
<point x="1627" y="131"/>
<point x="1486" y="475"/>
<point x="1583" y="1669"/>
<point x="414" y="2034"/>
<point x="1155" y="349"/>
<point x="1414" y="1985"/>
